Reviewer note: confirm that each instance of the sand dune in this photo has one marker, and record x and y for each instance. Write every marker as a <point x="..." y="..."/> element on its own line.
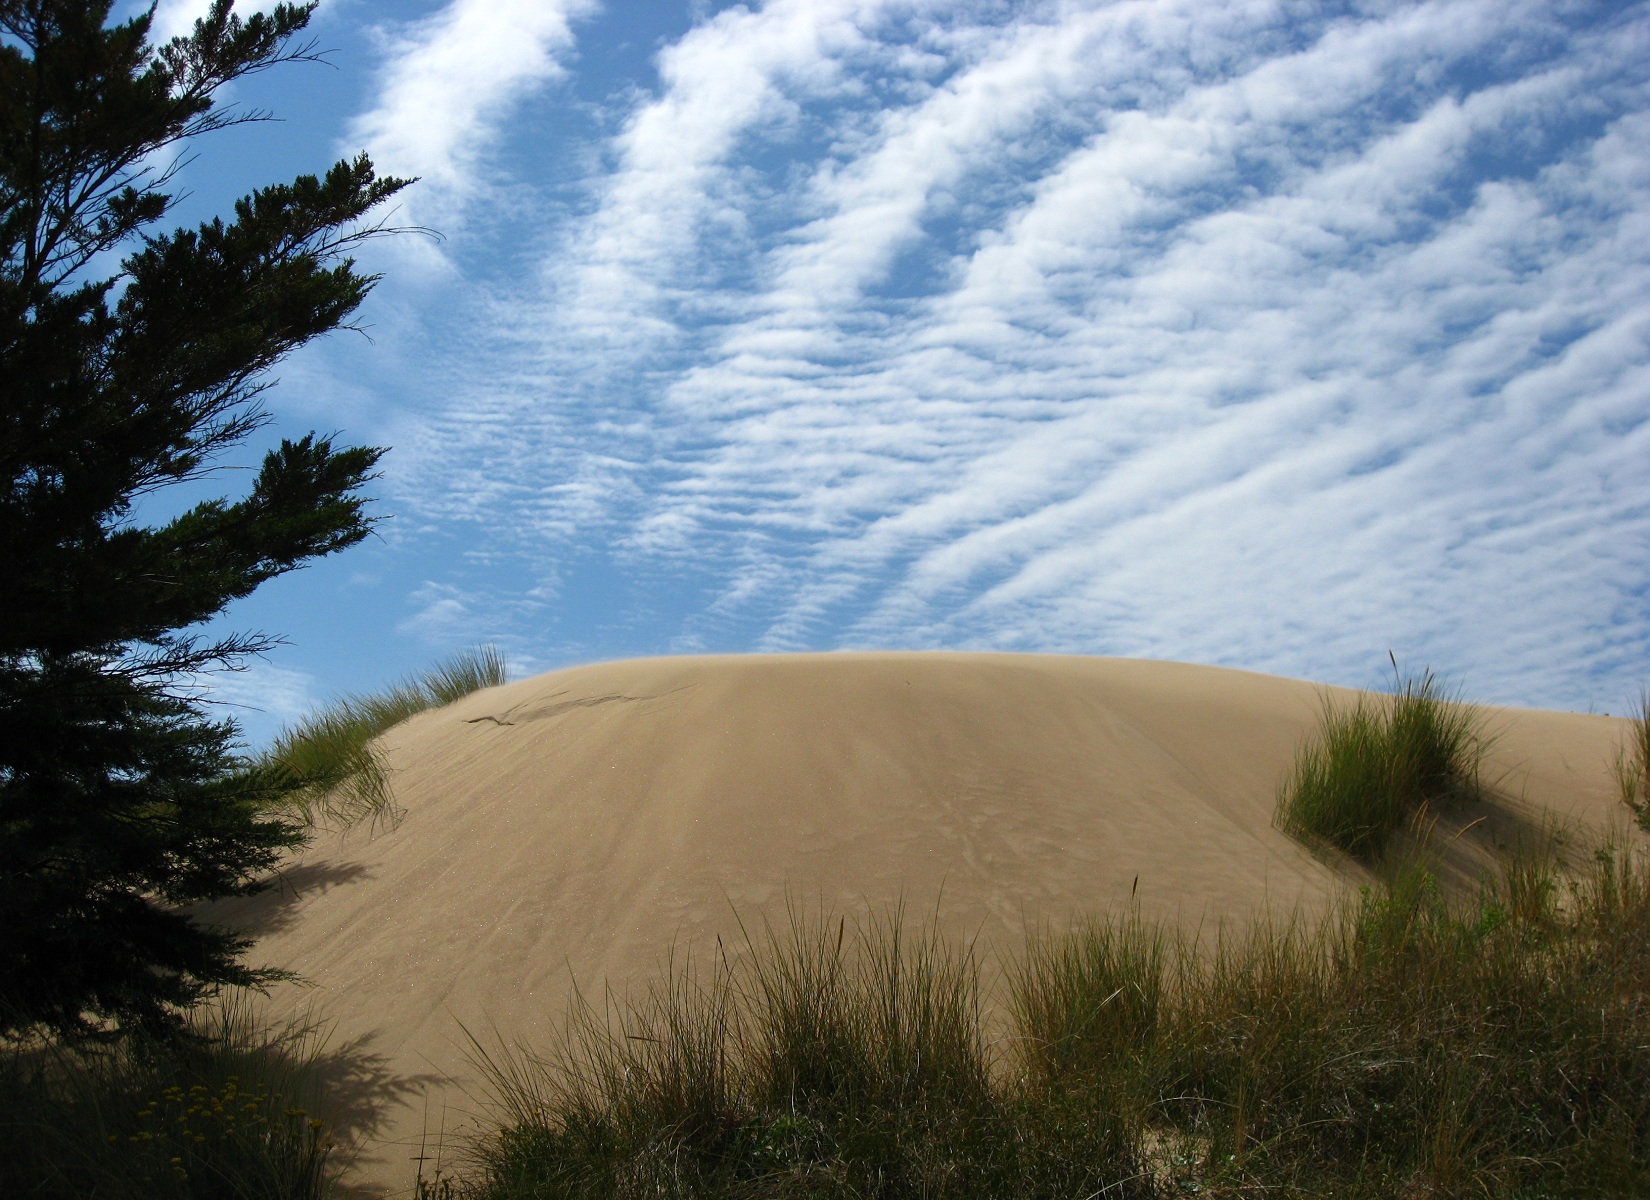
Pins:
<point x="575" y="825"/>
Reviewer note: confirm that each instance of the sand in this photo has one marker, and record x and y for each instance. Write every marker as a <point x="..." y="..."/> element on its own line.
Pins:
<point x="579" y="825"/>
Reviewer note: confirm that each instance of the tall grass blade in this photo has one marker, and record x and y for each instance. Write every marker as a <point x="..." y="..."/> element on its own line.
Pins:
<point x="1409" y="1044"/>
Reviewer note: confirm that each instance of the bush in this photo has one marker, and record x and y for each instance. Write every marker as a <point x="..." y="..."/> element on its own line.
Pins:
<point x="1373" y="767"/>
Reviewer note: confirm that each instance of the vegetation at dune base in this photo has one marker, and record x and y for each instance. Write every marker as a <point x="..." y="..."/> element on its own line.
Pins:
<point x="228" y="1111"/>
<point x="333" y="756"/>
<point x="225" y="1106"/>
<point x="1410" y="1045"/>
<point x="1374" y="766"/>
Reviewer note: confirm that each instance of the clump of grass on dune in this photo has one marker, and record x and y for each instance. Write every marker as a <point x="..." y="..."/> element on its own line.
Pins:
<point x="332" y="753"/>
<point x="1372" y="767"/>
<point x="1410" y="1045"/>
<point x="1633" y="764"/>
<point x="1085" y="1003"/>
<point x="224" y="1111"/>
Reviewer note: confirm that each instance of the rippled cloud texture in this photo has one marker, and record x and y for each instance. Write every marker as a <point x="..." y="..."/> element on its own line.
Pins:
<point x="1272" y="335"/>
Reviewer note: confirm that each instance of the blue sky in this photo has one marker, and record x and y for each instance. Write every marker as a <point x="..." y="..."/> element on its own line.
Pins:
<point x="1266" y="334"/>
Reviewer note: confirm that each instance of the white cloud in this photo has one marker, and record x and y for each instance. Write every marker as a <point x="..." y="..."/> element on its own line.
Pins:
<point x="262" y="699"/>
<point x="176" y="18"/>
<point x="448" y="82"/>
<point x="729" y="77"/>
<point x="443" y="614"/>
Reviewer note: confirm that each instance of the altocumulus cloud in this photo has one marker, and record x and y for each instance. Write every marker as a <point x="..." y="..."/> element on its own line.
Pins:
<point x="1256" y="333"/>
<point x="447" y="85"/>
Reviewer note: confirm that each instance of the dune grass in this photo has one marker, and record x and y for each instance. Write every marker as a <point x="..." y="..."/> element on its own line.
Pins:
<point x="757" y="1075"/>
<point x="1633" y="764"/>
<point x="1372" y="767"/>
<point x="225" y="1111"/>
<point x="1408" y="1045"/>
<point x="332" y="752"/>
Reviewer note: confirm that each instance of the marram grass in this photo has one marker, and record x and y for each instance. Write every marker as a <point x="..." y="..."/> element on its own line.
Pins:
<point x="1372" y="767"/>
<point x="1493" y="1044"/>
<point x="333" y="755"/>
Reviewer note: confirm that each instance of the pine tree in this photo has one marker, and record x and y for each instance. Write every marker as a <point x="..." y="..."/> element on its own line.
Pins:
<point x="121" y="799"/>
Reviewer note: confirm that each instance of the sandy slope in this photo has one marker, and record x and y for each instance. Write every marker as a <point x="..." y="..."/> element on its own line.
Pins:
<point x="573" y="825"/>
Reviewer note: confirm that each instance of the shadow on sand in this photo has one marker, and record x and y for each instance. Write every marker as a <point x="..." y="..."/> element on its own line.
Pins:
<point x="275" y="909"/>
<point x="359" y="1094"/>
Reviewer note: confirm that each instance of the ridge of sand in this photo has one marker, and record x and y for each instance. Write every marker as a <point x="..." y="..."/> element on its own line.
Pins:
<point x="575" y="825"/>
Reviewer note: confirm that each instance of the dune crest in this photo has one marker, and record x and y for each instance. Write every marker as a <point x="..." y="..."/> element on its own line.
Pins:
<point x="575" y="825"/>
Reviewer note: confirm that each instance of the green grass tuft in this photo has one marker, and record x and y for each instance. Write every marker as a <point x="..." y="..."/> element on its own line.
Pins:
<point x="1373" y="767"/>
<point x="1084" y="1003"/>
<point x="332" y="753"/>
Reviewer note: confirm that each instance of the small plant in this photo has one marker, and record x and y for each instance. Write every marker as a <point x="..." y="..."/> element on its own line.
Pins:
<point x="334" y="753"/>
<point x="1633" y="764"/>
<point x="188" y="1133"/>
<point x="1373" y="767"/>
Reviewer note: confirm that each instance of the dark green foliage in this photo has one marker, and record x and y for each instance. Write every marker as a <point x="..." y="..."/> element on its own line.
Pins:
<point x="1374" y="766"/>
<point x="119" y="799"/>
